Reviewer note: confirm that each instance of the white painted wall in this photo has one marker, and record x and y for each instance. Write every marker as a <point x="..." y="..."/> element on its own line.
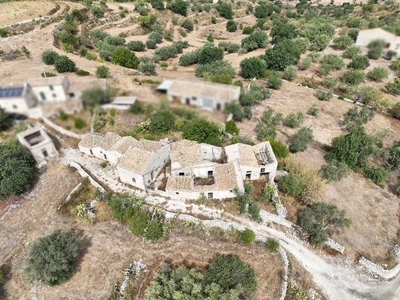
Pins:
<point x="58" y="94"/>
<point x="159" y="159"/>
<point x="127" y="177"/>
<point x="113" y="156"/>
<point x="21" y="104"/>
<point x="199" y="102"/>
<point x="196" y="194"/>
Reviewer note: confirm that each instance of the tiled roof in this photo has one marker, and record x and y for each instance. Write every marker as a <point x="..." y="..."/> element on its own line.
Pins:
<point x="135" y="160"/>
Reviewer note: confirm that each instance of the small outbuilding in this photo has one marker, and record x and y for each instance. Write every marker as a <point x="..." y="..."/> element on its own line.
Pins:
<point x="17" y="99"/>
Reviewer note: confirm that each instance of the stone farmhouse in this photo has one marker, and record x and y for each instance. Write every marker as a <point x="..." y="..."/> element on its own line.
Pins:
<point x="17" y="99"/>
<point x="207" y="95"/>
<point x="183" y="169"/>
<point x="368" y="35"/>
<point x="45" y="96"/>
<point x="39" y="143"/>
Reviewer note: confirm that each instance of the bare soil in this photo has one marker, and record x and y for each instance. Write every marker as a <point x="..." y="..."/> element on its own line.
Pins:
<point x="16" y="11"/>
<point x="109" y="246"/>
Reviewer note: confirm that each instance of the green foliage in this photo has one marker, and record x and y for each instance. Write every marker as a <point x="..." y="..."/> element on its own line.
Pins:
<point x="136" y="108"/>
<point x="5" y="121"/>
<point x="319" y="30"/>
<point x="202" y="131"/>
<point x="102" y="72"/>
<point x="359" y="62"/>
<point x="136" y="46"/>
<point x="230" y="127"/>
<point x="248" y="236"/>
<point x="378" y="73"/>
<point x="229" y="47"/>
<point x="330" y="82"/>
<point x="162" y="120"/>
<point x="313" y="110"/>
<point x="81" y="72"/>
<point x="179" y="7"/>
<point x="279" y="148"/>
<point x="253" y="67"/>
<point x="305" y="63"/>
<point x="115" y="40"/>
<point x="352" y="52"/>
<point x="147" y="68"/>
<point x="64" y="64"/>
<point x="254" y="211"/>
<point x="300" y="140"/>
<point x="231" y="26"/>
<point x="256" y="93"/>
<point x="225" y="10"/>
<point x="48" y="74"/>
<point x="49" y="57"/>
<point x="394" y="87"/>
<point x="187" y="24"/>
<point x="367" y="95"/>
<point x="330" y="62"/>
<point x="272" y="245"/>
<point x="284" y="53"/>
<point x="353" y="148"/>
<point x="290" y="73"/>
<point x="97" y="12"/>
<point x="79" y="123"/>
<point x="236" y="110"/>
<point x="3" y="32"/>
<point x="293" y="120"/>
<point x="264" y="10"/>
<point x="218" y="67"/>
<point x="335" y="170"/>
<point x="124" y="57"/>
<point x="274" y="80"/>
<point x="121" y="206"/>
<point x="210" y="53"/>
<point x="283" y="31"/>
<point x="17" y="167"/>
<point x="268" y="125"/>
<point x="52" y="259"/>
<point x="219" y="271"/>
<point x="95" y="96"/>
<point x="257" y="39"/>
<point x="355" y="117"/>
<point x="353" y="77"/>
<point x="378" y="175"/>
<point x="248" y="30"/>
<point x="323" y="95"/>
<point x="342" y="42"/>
<point x="291" y="184"/>
<point x="322" y="220"/>
<point x="376" y="48"/>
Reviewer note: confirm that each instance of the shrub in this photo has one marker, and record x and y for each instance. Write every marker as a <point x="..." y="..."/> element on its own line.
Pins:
<point x="95" y="96"/>
<point x="79" y="123"/>
<point x="253" y="67"/>
<point x="97" y="12"/>
<point x="64" y="64"/>
<point x="342" y="42"/>
<point x="352" y="52"/>
<point x="378" y="73"/>
<point x="48" y="74"/>
<point x="323" y="95"/>
<point x="102" y="72"/>
<point x="187" y="24"/>
<point x="322" y="220"/>
<point x="136" y="46"/>
<point x="202" y="131"/>
<point x="272" y="245"/>
<point x="210" y="53"/>
<point x="290" y="73"/>
<point x="231" y="26"/>
<point x="49" y="57"/>
<point x="378" y="175"/>
<point x="248" y="30"/>
<point x="3" y="32"/>
<point x="136" y="108"/>
<point x="81" y="72"/>
<point x="359" y="62"/>
<point x="219" y="271"/>
<point x="291" y="184"/>
<point x="52" y="259"/>
<point x="279" y="148"/>
<point x="330" y="82"/>
<point x="257" y="39"/>
<point x="305" y="63"/>
<point x="230" y="127"/>
<point x="313" y="110"/>
<point x="293" y="120"/>
<point x="300" y="140"/>
<point x="376" y="48"/>
<point x="179" y="7"/>
<point x="335" y="170"/>
<point x="189" y="58"/>
<point x="225" y="10"/>
<point x="5" y="121"/>
<point x="147" y="68"/>
<point x="151" y="44"/>
<point x="248" y="236"/>
<point x="353" y="77"/>
<point x="274" y="80"/>
<point x="124" y="57"/>
<point x="394" y="87"/>
<point x="216" y="68"/>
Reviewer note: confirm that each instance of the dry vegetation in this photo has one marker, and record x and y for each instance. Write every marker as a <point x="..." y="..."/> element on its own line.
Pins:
<point x="109" y="246"/>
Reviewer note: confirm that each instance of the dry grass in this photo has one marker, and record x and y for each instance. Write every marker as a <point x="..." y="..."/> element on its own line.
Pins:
<point x="12" y="12"/>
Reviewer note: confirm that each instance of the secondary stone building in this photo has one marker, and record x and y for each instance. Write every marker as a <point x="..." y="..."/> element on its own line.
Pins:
<point x="207" y="95"/>
<point x="39" y="143"/>
<point x="366" y="36"/>
<point x="17" y="99"/>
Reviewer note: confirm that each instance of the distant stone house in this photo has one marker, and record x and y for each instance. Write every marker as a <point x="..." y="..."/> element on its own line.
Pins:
<point x="207" y="95"/>
<point x="77" y="87"/>
<point x="17" y="99"/>
<point x="254" y="161"/>
<point x="50" y="89"/>
<point x="366" y="36"/>
<point x="142" y="163"/>
<point x="39" y="143"/>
